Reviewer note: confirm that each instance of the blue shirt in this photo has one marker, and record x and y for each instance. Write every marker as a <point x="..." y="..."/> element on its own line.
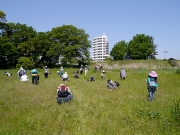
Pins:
<point x="152" y="82"/>
<point x="34" y="71"/>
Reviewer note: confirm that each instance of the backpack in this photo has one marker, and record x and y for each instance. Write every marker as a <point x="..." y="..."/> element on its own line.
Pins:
<point x="152" y="81"/>
<point x="63" y="92"/>
<point x="117" y="83"/>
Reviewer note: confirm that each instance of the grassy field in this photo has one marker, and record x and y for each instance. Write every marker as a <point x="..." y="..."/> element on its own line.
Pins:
<point x="28" y="109"/>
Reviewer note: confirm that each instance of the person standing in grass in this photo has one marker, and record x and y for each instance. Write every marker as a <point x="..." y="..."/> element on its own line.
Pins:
<point x="123" y="74"/>
<point x="152" y="84"/>
<point x="46" y="71"/>
<point x="86" y="70"/>
<point x="35" y="76"/>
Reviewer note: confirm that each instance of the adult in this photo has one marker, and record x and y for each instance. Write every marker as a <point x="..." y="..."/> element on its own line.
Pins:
<point x="24" y="78"/>
<point x="112" y="84"/>
<point x="123" y="74"/>
<point x="65" y="76"/>
<point x="100" y="67"/>
<point x="152" y="84"/>
<point x="81" y="70"/>
<point x="61" y="71"/>
<point x="92" y="78"/>
<point x="76" y="74"/>
<point x="103" y="75"/>
<point x="64" y="94"/>
<point x="35" y="76"/>
<point x="21" y="72"/>
<point x="86" y="70"/>
<point x="46" y="71"/>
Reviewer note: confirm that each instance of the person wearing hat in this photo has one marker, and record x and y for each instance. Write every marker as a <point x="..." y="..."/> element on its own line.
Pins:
<point x="152" y="84"/>
<point x="103" y="75"/>
<point x="65" y="76"/>
<point x="21" y="72"/>
<point x="64" y="94"/>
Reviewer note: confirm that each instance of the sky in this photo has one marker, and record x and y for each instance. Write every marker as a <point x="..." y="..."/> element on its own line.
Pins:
<point x="118" y="19"/>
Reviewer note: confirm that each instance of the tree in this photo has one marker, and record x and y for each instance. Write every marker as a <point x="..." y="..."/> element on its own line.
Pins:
<point x="2" y="21"/>
<point x="142" y="47"/>
<point x="119" y="50"/>
<point x="8" y="53"/>
<point x="69" y="42"/>
<point x="2" y="17"/>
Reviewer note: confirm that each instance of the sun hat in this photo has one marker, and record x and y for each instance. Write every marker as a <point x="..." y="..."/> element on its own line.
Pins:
<point x="153" y="74"/>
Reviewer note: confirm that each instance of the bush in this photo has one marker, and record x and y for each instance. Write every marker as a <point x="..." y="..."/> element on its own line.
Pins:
<point x="25" y="62"/>
<point x="172" y="62"/>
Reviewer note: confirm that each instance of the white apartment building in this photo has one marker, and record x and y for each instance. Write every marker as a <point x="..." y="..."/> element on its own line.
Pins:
<point x="100" y="48"/>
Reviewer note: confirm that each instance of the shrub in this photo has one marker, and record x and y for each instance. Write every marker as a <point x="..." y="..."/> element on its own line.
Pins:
<point x="172" y="62"/>
<point x="25" y="62"/>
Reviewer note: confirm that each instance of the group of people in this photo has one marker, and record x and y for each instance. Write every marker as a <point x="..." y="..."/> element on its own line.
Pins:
<point x="63" y="92"/>
<point x="22" y="74"/>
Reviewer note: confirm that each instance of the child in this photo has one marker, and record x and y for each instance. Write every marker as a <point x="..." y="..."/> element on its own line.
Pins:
<point x="152" y="84"/>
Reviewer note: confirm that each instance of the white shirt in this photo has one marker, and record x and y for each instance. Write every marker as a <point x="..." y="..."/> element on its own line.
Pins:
<point x="65" y="76"/>
<point x="24" y="78"/>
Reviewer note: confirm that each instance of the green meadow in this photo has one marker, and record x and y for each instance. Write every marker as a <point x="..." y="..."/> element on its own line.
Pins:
<point x="27" y="109"/>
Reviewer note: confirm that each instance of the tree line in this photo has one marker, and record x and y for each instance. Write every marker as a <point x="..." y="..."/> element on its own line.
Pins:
<point x="140" y="47"/>
<point x="22" y="45"/>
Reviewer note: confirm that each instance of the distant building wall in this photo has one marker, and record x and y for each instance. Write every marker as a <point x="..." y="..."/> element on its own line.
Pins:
<point x="100" y="48"/>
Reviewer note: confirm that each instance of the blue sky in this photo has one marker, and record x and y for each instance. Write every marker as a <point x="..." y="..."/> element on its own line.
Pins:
<point x="119" y="19"/>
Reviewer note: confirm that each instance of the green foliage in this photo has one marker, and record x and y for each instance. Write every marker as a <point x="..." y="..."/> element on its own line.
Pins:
<point x="8" y="53"/>
<point x="178" y="71"/>
<point x="172" y="62"/>
<point x="2" y="17"/>
<point x="176" y="112"/>
<point x="142" y="47"/>
<point x="119" y="50"/>
<point x="25" y="62"/>
<point x="70" y="42"/>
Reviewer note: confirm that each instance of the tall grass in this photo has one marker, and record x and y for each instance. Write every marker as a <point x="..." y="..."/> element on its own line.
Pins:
<point x="32" y="109"/>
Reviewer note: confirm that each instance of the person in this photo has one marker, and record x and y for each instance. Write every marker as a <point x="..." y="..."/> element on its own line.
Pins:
<point x="35" y="76"/>
<point x="100" y="67"/>
<point x="86" y="70"/>
<point x="46" y="71"/>
<point x="64" y="94"/>
<point x="24" y="78"/>
<point x="7" y="73"/>
<point x="21" y="72"/>
<point x="81" y="70"/>
<point x="76" y="74"/>
<point x="61" y="71"/>
<point x="123" y="74"/>
<point x="152" y="84"/>
<point x="103" y="75"/>
<point x="112" y="84"/>
<point x="92" y="78"/>
<point x="96" y="68"/>
<point x="65" y="76"/>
